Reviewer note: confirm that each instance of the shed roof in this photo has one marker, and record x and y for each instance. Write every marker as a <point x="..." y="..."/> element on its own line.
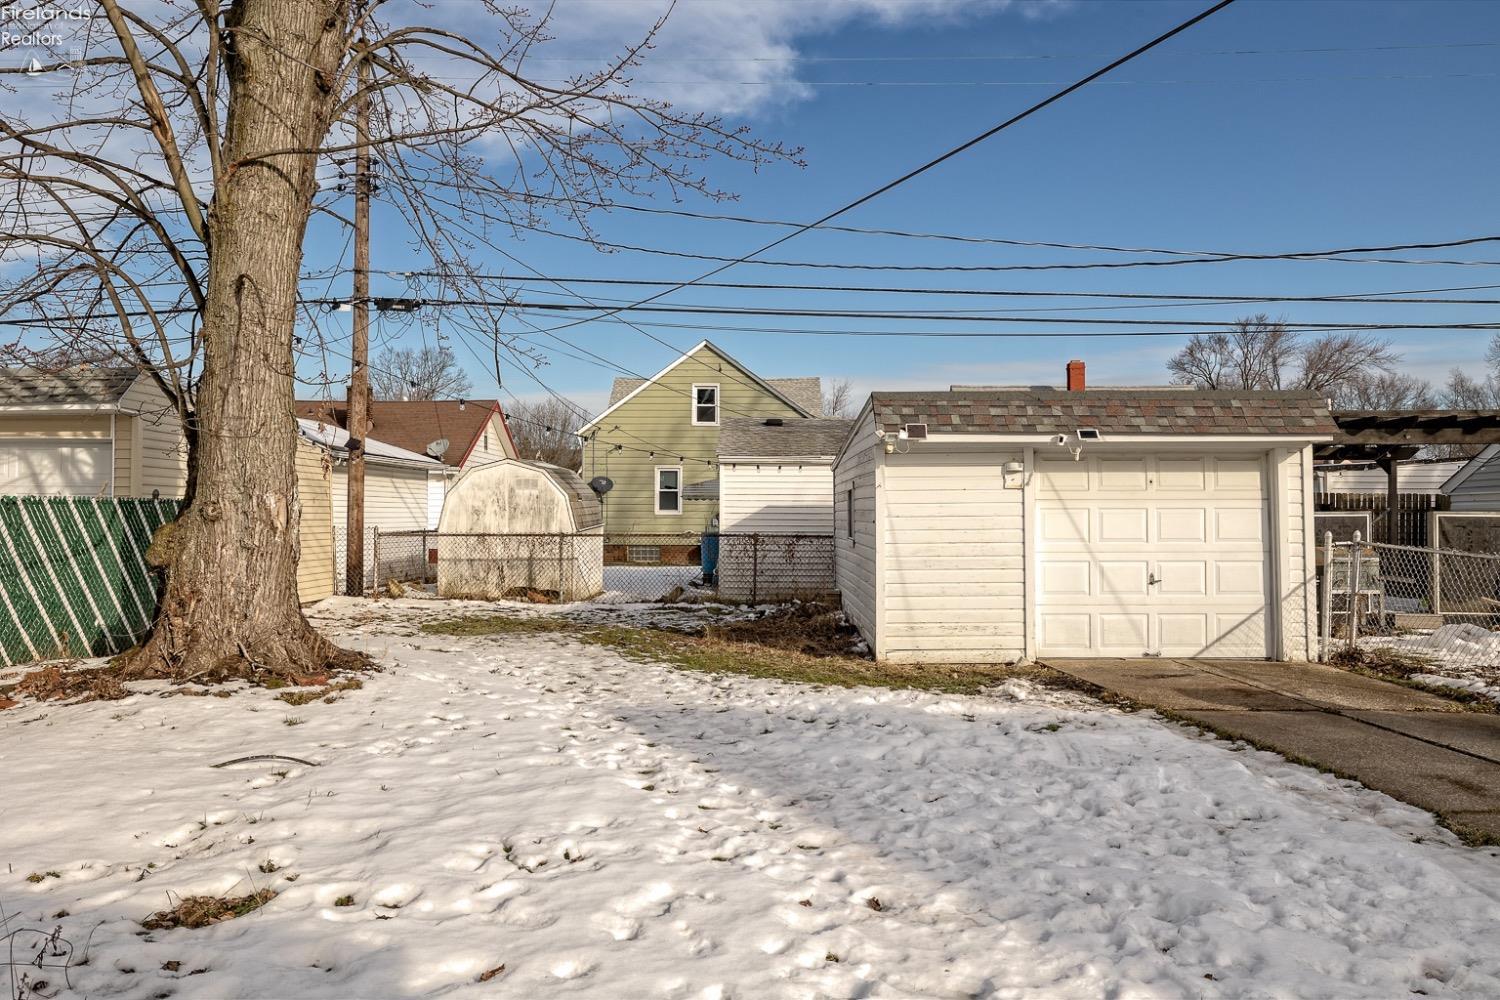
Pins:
<point x="379" y="452"/>
<point x="588" y="512"/>
<point x="83" y="385"/>
<point x="806" y="392"/>
<point x="756" y="437"/>
<point x="1117" y="411"/>
<point x="414" y="424"/>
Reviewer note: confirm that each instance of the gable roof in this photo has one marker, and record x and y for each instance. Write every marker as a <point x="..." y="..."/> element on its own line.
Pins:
<point x="1470" y="467"/>
<point x="414" y="424"/>
<point x="809" y="389"/>
<point x="1045" y="410"/>
<point x="755" y="437"/>
<point x="377" y="452"/>
<point x="92" y="385"/>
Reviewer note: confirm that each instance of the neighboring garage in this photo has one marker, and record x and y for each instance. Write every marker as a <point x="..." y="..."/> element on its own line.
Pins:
<point x="1006" y="524"/>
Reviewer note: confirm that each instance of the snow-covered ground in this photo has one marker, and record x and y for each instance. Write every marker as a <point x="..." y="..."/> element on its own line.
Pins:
<point x="1461" y="655"/>
<point x="612" y="829"/>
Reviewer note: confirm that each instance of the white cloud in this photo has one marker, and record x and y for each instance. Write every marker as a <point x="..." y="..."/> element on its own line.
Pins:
<point x="735" y="56"/>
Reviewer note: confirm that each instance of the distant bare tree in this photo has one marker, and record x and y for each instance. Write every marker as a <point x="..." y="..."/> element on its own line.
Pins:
<point x="1261" y="353"/>
<point x="425" y="373"/>
<point x="1385" y="391"/>
<point x="838" y="398"/>
<point x="544" y="430"/>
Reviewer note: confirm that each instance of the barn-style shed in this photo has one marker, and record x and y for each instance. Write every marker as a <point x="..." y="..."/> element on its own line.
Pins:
<point x="514" y="529"/>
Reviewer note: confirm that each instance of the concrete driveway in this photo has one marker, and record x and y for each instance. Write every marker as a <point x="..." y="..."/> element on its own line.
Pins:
<point x="1429" y="751"/>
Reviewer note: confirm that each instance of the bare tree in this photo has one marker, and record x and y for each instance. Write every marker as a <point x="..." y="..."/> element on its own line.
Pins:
<point x="161" y="202"/>
<point x="1261" y="353"/>
<point x="1385" y="391"/>
<point x="838" y="398"/>
<point x="546" y="430"/>
<point x="424" y="373"/>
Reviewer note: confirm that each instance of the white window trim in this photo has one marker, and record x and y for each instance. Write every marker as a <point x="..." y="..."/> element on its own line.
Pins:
<point x="656" y="490"/>
<point x="693" y="402"/>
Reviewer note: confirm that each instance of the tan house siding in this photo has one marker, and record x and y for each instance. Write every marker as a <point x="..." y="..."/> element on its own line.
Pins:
<point x="659" y="418"/>
<point x="314" y="492"/>
<point x="163" y="450"/>
<point x="492" y="445"/>
<point x="127" y="430"/>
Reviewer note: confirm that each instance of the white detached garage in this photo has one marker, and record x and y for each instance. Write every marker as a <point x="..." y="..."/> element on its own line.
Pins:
<point x="1009" y="524"/>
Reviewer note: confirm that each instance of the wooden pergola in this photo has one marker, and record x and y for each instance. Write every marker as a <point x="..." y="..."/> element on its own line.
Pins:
<point x="1388" y="437"/>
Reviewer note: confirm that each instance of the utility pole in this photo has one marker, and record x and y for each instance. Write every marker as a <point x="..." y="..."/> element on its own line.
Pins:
<point x="359" y="372"/>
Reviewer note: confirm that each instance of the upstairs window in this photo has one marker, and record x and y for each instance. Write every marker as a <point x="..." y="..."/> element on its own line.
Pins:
<point x="705" y="405"/>
<point x="669" y="489"/>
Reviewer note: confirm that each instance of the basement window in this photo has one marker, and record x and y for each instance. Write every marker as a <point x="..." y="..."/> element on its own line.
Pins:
<point x="643" y="553"/>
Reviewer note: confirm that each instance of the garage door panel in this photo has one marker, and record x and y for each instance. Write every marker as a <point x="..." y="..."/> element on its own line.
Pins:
<point x="1154" y="556"/>
<point x="1065" y="631"/>
<point x="1060" y="524"/>
<point x="1182" y="474"/>
<point x="1183" y="631"/>
<point x="1122" y="474"/>
<point x="1123" y="578"/>
<point x="1182" y="524"/>
<point x="53" y="466"/>
<point x="1123" y="524"/>
<point x="1237" y="474"/>
<point x="1181" y="578"/>
<point x="1063" y="477"/>
<point x="1238" y="524"/>
<point x="1065" y="578"/>
<point x="1240" y="578"/>
<point x="1127" y="632"/>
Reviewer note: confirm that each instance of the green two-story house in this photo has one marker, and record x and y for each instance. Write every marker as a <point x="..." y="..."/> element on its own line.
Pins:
<point x="657" y="440"/>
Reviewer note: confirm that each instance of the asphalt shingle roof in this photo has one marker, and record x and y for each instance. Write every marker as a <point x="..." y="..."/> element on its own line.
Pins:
<point x="1117" y="411"/>
<point x="805" y="392"/>
<point x="751" y="437"/>
<point x="93" y="384"/>
<point x="412" y="424"/>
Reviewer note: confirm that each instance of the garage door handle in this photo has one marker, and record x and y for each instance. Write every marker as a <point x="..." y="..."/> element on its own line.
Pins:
<point x="1151" y="579"/>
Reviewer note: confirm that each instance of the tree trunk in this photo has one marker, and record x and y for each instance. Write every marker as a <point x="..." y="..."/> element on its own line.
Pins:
<point x="230" y="607"/>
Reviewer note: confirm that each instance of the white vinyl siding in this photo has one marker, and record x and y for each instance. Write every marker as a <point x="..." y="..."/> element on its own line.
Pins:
<point x="1296" y="574"/>
<point x="669" y="489"/>
<point x="437" y="490"/>
<point x="705" y="404"/>
<point x="1413" y="477"/>
<point x="162" y="460"/>
<point x="1481" y="490"/>
<point x="855" y="558"/>
<point x="395" y="500"/>
<point x="778" y="499"/>
<point x="952" y="556"/>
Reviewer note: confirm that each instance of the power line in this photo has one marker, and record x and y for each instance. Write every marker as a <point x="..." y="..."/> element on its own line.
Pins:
<point x="944" y="157"/>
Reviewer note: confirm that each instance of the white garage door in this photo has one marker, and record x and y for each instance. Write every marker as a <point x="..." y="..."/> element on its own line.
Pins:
<point x="55" y="466"/>
<point x="1152" y="556"/>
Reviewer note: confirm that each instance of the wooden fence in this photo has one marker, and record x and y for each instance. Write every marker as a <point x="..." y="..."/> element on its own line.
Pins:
<point x="1411" y="513"/>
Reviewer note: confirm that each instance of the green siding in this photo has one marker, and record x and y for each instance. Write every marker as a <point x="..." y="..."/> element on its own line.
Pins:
<point x="661" y="414"/>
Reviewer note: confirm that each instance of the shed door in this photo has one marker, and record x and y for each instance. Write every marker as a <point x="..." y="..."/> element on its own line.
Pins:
<point x="1152" y="556"/>
<point x="55" y="465"/>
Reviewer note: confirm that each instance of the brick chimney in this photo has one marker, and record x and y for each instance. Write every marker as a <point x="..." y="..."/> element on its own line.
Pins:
<point x="1075" y="375"/>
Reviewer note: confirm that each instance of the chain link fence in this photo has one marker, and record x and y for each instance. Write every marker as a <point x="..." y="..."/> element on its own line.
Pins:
<point x="1435" y="609"/>
<point x="751" y="568"/>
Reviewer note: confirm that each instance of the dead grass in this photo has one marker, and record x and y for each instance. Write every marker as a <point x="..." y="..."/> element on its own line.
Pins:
<point x="1401" y="667"/>
<point x="775" y="657"/>
<point x="61" y="681"/>
<point x="204" y="911"/>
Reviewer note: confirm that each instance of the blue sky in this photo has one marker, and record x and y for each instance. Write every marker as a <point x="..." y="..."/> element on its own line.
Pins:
<point x="1186" y="148"/>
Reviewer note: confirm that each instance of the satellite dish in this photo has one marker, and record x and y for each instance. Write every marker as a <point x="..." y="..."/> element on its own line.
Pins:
<point x="601" y="484"/>
<point x="438" y="448"/>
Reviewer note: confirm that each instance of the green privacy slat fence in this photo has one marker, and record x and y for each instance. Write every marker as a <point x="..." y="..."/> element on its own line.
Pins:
<point x="73" y="574"/>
